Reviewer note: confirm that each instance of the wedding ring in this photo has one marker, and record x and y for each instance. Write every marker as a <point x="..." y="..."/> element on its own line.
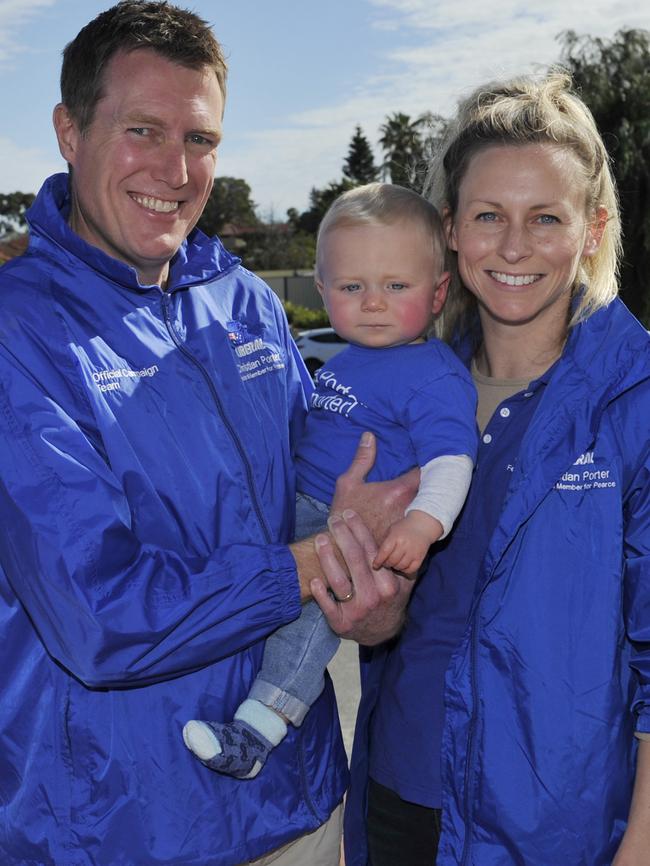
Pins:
<point x="347" y="597"/>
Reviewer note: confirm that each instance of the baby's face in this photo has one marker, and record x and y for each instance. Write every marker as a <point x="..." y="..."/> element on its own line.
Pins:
<point x="381" y="284"/>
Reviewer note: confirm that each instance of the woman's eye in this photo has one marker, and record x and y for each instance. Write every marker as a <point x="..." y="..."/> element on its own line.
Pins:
<point x="547" y="219"/>
<point x="486" y="216"/>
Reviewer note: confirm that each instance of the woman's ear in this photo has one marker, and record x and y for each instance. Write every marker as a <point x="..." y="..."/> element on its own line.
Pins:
<point x="449" y="228"/>
<point x="595" y="231"/>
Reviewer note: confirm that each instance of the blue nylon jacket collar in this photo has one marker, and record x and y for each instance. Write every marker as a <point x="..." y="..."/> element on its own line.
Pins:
<point x="588" y="374"/>
<point x="198" y="260"/>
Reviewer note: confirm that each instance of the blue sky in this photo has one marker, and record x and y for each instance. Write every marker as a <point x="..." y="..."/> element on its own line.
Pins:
<point x="302" y="74"/>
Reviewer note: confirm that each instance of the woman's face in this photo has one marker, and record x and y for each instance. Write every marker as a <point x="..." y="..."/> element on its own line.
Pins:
<point x="520" y="230"/>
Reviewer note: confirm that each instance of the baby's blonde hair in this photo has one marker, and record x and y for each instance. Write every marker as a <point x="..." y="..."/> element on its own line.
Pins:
<point x="529" y="110"/>
<point x="383" y="204"/>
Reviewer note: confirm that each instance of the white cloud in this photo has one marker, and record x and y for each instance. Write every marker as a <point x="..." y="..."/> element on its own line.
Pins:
<point x="13" y="14"/>
<point x="24" y="168"/>
<point x="441" y="52"/>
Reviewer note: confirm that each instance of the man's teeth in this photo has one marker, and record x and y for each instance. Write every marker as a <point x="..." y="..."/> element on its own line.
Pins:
<point x="512" y="280"/>
<point x="156" y="204"/>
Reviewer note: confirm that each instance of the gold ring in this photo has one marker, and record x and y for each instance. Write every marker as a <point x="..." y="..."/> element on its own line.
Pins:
<point x="347" y="597"/>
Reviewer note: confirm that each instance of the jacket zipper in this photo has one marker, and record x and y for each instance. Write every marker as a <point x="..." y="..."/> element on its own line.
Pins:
<point x="223" y="416"/>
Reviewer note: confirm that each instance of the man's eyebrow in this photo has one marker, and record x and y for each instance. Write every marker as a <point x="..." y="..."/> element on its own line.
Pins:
<point x="211" y="132"/>
<point x="138" y="118"/>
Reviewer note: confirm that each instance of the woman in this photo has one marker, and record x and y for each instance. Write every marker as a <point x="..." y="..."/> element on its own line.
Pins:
<point x="541" y="598"/>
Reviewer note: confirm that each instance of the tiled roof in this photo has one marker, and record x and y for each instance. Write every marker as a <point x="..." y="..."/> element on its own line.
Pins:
<point x="12" y="245"/>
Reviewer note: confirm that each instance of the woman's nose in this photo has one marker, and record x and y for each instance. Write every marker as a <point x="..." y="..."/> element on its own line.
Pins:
<point x="514" y="243"/>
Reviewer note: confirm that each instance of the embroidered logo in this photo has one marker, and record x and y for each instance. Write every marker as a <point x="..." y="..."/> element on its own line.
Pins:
<point x="111" y="380"/>
<point x="586" y="478"/>
<point x="247" y="342"/>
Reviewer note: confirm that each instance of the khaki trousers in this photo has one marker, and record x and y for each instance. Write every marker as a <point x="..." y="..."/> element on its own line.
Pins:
<point x="321" y="847"/>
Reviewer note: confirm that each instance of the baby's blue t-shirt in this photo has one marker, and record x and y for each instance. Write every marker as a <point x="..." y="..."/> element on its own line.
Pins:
<point x="418" y="400"/>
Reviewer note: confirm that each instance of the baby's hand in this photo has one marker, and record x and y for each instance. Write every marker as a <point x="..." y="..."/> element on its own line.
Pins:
<point x="407" y="542"/>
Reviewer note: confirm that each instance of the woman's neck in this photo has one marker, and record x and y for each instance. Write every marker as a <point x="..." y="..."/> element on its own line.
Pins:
<point x="518" y="352"/>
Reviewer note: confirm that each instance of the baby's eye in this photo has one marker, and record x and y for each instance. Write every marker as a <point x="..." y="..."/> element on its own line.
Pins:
<point x="396" y="287"/>
<point x="350" y="287"/>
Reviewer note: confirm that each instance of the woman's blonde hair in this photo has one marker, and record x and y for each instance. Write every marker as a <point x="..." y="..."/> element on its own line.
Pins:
<point x="529" y="110"/>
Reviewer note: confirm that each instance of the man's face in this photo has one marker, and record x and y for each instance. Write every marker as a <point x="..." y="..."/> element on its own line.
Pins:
<point x="143" y="170"/>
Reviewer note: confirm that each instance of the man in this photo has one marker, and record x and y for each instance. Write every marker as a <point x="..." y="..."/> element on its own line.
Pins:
<point x="149" y="397"/>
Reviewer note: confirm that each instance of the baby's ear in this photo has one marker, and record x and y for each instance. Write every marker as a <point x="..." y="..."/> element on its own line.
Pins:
<point x="440" y="292"/>
<point x="320" y="287"/>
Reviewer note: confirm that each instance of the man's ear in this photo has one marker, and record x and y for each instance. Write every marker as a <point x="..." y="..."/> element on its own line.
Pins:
<point x="595" y="232"/>
<point x="440" y="292"/>
<point x="449" y="228"/>
<point x="67" y="133"/>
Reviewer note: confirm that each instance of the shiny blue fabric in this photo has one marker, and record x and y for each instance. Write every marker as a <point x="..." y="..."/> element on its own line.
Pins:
<point x="146" y="499"/>
<point x="553" y="672"/>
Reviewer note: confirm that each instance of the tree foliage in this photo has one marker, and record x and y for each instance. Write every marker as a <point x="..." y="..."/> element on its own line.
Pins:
<point x="319" y="200"/>
<point x="277" y="247"/>
<point x="613" y="77"/>
<point x="359" y="166"/>
<point x="404" y="142"/>
<point x="230" y="202"/>
<point x="12" y="211"/>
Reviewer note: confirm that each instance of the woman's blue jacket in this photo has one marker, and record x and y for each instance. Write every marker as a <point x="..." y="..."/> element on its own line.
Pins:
<point x="552" y="676"/>
<point x="146" y="501"/>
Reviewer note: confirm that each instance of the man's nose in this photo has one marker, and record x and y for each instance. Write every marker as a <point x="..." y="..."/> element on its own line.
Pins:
<point x="171" y="164"/>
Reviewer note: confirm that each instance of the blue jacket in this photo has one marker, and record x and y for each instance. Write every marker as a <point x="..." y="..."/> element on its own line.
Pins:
<point x="553" y="673"/>
<point x="146" y="500"/>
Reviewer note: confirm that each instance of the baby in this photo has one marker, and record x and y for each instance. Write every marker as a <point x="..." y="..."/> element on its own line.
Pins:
<point x="380" y="271"/>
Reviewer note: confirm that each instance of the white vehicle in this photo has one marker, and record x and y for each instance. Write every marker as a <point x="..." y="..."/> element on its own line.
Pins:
<point x="318" y="346"/>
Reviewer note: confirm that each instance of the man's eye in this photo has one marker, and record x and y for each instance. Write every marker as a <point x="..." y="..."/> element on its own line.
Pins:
<point x="195" y="138"/>
<point x="140" y="130"/>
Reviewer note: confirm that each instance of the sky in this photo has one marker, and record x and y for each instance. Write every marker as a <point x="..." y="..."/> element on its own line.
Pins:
<point x="302" y="75"/>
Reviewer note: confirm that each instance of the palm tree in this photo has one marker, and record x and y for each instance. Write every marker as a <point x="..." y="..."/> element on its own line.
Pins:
<point x="402" y="142"/>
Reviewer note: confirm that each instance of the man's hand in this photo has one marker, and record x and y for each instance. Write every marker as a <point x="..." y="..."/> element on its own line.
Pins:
<point x="379" y="503"/>
<point x="375" y="611"/>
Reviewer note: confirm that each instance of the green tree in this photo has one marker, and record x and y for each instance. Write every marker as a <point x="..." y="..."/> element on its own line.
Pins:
<point x="230" y="202"/>
<point x="12" y="210"/>
<point x="278" y="246"/>
<point x="613" y="77"/>
<point x="404" y="147"/>
<point x="319" y="200"/>
<point x="359" y="166"/>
